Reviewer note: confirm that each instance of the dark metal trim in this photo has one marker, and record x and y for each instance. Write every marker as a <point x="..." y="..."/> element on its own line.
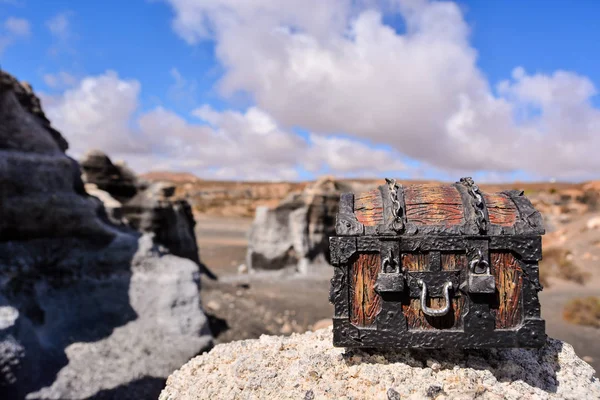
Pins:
<point x="531" y="221"/>
<point x="346" y="223"/>
<point x="478" y="321"/>
<point x="531" y="334"/>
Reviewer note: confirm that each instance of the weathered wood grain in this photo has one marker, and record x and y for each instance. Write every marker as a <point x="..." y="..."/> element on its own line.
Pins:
<point x="509" y="284"/>
<point x="415" y="261"/>
<point x="368" y="208"/>
<point x="433" y="205"/>
<point x="453" y="261"/>
<point x="417" y="320"/>
<point x="501" y="209"/>
<point x="365" y="302"/>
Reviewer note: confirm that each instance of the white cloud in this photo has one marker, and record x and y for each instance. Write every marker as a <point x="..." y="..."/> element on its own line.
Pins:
<point x="13" y="29"/>
<point x="59" y="25"/>
<point x="61" y="31"/>
<point x="18" y="27"/>
<point x="333" y="66"/>
<point x="97" y="113"/>
<point x="182" y="91"/>
<point x="103" y="112"/>
<point x="60" y="80"/>
<point x="349" y="157"/>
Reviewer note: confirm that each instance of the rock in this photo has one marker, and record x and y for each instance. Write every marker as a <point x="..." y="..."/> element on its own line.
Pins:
<point x="113" y="207"/>
<point x="22" y="116"/>
<point x="118" y="180"/>
<point x="286" y="329"/>
<point x="213" y="306"/>
<point x="86" y="307"/>
<point x="322" y="323"/>
<point x="145" y="207"/>
<point x="295" y="233"/>
<point x="163" y="309"/>
<point x="290" y="367"/>
<point x="242" y="269"/>
<point x="593" y="223"/>
<point x="170" y="220"/>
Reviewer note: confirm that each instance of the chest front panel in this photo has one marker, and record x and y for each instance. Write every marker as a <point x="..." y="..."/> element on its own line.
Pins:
<point x="435" y="282"/>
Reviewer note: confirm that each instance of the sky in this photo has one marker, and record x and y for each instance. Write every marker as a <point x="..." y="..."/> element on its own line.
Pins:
<point x="500" y="90"/>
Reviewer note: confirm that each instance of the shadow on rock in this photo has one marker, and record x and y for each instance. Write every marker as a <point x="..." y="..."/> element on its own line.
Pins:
<point x="145" y="388"/>
<point x="217" y="325"/>
<point x="536" y="367"/>
<point x="57" y="292"/>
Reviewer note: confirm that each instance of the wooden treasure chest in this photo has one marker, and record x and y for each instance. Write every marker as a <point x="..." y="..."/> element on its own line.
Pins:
<point x="434" y="266"/>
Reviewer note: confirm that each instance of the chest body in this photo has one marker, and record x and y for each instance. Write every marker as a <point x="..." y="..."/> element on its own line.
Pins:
<point x="436" y="266"/>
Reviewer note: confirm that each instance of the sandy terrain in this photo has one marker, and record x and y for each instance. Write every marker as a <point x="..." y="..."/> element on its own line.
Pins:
<point x="245" y="306"/>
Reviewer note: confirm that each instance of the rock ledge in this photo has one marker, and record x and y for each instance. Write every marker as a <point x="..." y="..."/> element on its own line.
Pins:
<point x="306" y="366"/>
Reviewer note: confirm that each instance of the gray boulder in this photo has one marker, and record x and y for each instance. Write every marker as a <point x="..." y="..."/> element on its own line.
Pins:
<point x="307" y="366"/>
<point x="87" y="308"/>
<point x="295" y="234"/>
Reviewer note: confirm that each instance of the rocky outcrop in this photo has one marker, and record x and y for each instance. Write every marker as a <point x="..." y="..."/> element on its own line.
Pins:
<point x="296" y="232"/>
<point x="144" y="206"/>
<point x="306" y="366"/>
<point x="116" y="179"/>
<point x="86" y="307"/>
<point x="154" y="210"/>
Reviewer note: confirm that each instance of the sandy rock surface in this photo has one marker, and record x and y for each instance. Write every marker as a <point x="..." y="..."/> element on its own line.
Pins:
<point x="306" y="366"/>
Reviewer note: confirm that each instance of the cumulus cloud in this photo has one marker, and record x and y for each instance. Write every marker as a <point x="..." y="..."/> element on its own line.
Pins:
<point x="333" y="66"/>
<point x="97" y="112"/>
<point x="59" y="25"/>
<point x="13" y="29"/>
<point x="103" y="112"/>
<point x="60" y="80"/>
<point x="62" y="34"/>
<point x="182" y="91"/>
<point x="17" y="26"/>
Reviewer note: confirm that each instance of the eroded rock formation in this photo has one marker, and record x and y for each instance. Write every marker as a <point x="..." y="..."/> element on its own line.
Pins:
<point x="86" y="307"/>
<point x="307" y="366"/>
<point x="144" y="206"/>
<point x="154" y="210"/>
<point x="296" y="232"/>
<point x="116" y="179"/>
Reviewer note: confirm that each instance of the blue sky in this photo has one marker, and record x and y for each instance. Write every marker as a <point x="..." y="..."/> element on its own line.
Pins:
<point x="136" y="39"/>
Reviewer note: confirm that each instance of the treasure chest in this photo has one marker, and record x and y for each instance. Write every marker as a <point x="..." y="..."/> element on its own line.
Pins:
<point x="436" y="266"/>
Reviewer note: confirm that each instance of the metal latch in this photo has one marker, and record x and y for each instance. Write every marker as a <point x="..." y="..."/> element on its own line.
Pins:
<point x="390" y="279"/>
<point x="480" y="280"/>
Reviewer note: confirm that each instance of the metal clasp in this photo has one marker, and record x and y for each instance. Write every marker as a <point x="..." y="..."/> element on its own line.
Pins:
<point x="390" y="279"/>
<point x="480" y="279"/>
<point x="433" y="312"/>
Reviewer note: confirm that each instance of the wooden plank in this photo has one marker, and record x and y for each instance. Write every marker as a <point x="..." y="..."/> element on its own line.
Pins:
<point x="508" y="308"/>
<point x="501" y="209"/>
<point x="433" y="205"/>
<point x="368" y="208"/>
<point x="366" y="303"/>
<point x="415" y="261"/>
<point x="453" y="261"/>
<point x="416" y="320"/>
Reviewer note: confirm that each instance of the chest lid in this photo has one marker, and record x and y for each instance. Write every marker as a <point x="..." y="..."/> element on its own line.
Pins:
<point x="461" y="208"/>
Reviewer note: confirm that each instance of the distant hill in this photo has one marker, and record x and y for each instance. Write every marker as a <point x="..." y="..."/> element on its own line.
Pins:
<point x="177" y="177"/>
<point x="240" y="198"/>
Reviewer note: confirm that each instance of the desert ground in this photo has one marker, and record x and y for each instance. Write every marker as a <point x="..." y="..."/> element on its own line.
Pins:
<point x="242" y="305"/>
